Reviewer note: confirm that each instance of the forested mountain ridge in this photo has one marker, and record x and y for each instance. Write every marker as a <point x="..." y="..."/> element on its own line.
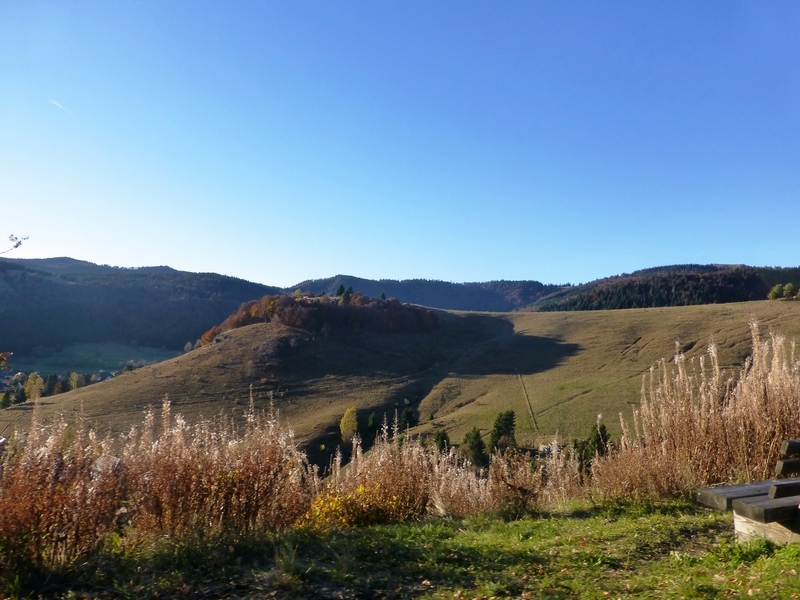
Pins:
<point x="673" y="285"/>
<point x="491" y="296"/>
<point x="61" y="301"/>
<point x="677" y="285"/>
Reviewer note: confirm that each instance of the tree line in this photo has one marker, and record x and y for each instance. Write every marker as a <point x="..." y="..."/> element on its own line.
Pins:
<point x="501" y="439"/>
<point x="739" y="284"/>
<point x="23" y="387"/>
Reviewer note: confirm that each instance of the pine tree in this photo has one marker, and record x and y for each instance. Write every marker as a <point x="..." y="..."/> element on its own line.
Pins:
<point x="503" y="436"/>
<point x="20" y="396"/>
<point x="408" y="418"/>
<point x="598" y="441"/>
<point x="441" y="440"/>
<point x="474" y="449"/>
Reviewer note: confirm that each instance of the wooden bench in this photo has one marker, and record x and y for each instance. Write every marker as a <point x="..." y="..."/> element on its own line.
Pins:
<point x="763" y="509"/>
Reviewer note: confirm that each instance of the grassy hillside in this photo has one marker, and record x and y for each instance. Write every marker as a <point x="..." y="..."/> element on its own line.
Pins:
<point x="556" y="370"/>
<point x="48" y="305"/>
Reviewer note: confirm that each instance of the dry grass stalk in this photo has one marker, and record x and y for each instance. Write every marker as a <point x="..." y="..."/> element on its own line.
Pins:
<point x="561" y="476"/>
<point x="699" y="427"/>
<point x="57" y="497"/>
<point x="211" y="479"/>
<point x="62" y="490"/>
<point x="402" y="478"/>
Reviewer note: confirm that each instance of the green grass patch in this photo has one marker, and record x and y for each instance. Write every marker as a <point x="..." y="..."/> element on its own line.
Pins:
<point x="668" y="550"/>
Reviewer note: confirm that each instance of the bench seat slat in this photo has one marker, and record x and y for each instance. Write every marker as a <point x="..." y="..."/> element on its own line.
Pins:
<point x="784" y="488"/>
<point x="722" y="497"/>
<point x="767" y="510"/>
<point x="787" y="466"/>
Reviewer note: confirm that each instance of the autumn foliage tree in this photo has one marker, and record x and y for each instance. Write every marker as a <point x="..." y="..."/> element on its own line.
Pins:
<point x="322" y="313"/>
<point x="349" y="424"/>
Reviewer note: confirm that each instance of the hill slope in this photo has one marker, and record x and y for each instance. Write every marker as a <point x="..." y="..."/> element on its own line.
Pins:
<point x="62" y="301"/>
<point x="557" y="371"/>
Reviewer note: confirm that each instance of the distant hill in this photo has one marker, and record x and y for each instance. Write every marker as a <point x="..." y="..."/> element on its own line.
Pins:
<point x="671" y="285"/>
<point x="492" y="296"/>
<point x="62" y="301"/>
<point x="54" y="302"/>
<point x="677" y="285"/>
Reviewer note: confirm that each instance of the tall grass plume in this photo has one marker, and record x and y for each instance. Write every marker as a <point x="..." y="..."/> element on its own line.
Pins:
<point x="698" y="425"/>
<point x="63" y="490"/>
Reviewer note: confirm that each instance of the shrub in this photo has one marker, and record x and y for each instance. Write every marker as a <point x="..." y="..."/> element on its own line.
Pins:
<point x="214" y="479"/>
<point x="441" y="440"/>
<point x="398" y="481"/>
<point x="57" y="499"/>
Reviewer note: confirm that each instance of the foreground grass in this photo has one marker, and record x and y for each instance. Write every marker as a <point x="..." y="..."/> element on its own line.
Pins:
<point x="666" y="550"/>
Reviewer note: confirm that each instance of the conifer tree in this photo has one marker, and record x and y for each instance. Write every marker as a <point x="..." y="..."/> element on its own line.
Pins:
<point x="503" y="432"/>
<point x="474" y="449"/>
<point x="441" y="440"/>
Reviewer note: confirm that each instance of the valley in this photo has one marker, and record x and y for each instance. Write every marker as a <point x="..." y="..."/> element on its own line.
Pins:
<point x="557" y="371"/>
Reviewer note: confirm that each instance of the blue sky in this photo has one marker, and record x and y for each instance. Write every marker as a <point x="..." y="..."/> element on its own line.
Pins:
<point x="462" y="141"/>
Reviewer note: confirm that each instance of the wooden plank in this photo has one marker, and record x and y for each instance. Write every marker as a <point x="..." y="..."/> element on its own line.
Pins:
<point x="790" y="448"/>
<point x="788" y="466"/>
<point x="783" y="489"/>
<point x="721" y="497"/>
<point x="767" y="510"/>
<point x="780" y="532"/>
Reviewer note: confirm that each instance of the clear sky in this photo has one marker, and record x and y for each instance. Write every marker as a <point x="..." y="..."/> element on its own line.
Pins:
<point x="452" y="140"/>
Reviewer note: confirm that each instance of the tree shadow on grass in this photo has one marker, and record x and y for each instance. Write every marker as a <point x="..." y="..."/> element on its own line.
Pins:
<point x="462" y="346"/>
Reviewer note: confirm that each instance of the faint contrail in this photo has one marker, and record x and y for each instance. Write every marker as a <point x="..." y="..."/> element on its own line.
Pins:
<point x="54" y="103"/>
